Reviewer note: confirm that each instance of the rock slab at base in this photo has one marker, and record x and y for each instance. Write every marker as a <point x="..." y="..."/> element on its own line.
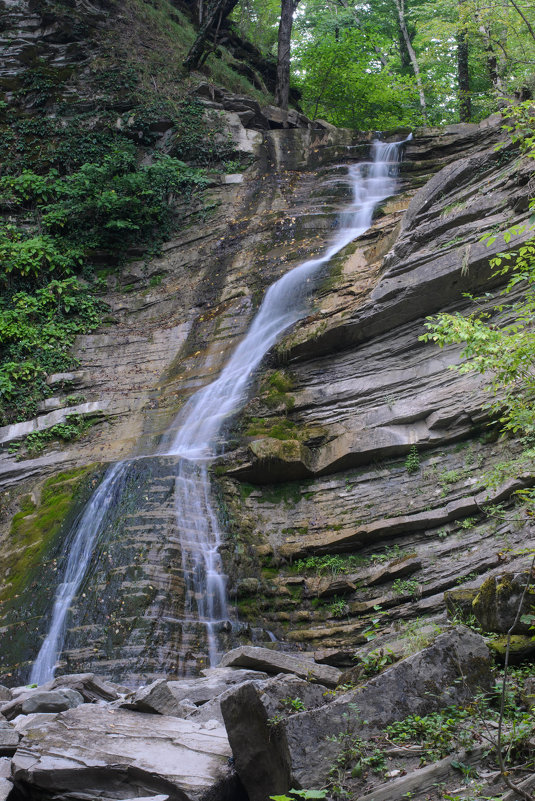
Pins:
<point x="37" y="701"/>
<point x="278" y="662"/>
<point x="99" y="752"/>
<point x="450" y="671"/>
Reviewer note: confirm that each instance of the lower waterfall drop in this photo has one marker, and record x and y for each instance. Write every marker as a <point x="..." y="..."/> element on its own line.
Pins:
<point x="196" y="435"/>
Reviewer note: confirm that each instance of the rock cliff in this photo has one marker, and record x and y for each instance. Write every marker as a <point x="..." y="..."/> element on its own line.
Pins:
<point x="354" y="489"/>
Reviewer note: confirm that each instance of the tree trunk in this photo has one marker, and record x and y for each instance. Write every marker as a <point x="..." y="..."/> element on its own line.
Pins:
<point x="463" y="72"/>
<point x="400" y="7"/>
<point x="282" y="89"/>
<point x="212" y="10"/>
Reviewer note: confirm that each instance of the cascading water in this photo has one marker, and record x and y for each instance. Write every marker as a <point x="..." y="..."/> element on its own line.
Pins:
<point x="80" y="545"/>
<point x="196" y="434"/>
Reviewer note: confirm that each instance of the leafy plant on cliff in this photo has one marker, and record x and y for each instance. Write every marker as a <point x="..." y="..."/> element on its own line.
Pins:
<point x="498" y="338"/>
<point x="37" y="330"/>
<point x="106" y="206"/>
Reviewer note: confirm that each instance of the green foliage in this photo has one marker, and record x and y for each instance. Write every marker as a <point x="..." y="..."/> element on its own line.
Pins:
<point x="438" y="733"/>
<point x="36" y="331"/>
<point x="108" y="206"/>
<point x="293" y="704"/>
<point x="406" y="587"/>
<point x="332" y="563"/>
<point x="74" y="428"/>
<point x="355" y="756"/>
<point x="342" y="80"/>
<point x="338" y="608"/>
<point x="278" y="385"/>
<point x="374" y="662"/>
<point x="282" y="429"/>
<point x="412" y="462"/>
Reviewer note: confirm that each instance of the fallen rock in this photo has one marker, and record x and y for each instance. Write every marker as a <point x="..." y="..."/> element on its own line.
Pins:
<point x="521" y="647"/>
<point x="450" y="671"/>
<point x="23" y="723"/>
<point x="9" y="739"/>
<point x="286" y="694"/>
<point x="121" y="754"/>
<point x="337" y="657"/>
<point x="6" y="786"/>
<point x="92" y="688"/>
<point x="496" y="604"/>
<point x="279" y="662"/>
<point x="46" y="701"/>
<point x="261" y="755"/>
<point x="5" y="693"/>
<point x="459" y="602"/>
<point x="156" y="698"/>
<point x="214" y="682"/>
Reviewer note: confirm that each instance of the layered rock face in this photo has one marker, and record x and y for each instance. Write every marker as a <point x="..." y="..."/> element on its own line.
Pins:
<point x="384" y="457"/>
<point x="318" y="464"/>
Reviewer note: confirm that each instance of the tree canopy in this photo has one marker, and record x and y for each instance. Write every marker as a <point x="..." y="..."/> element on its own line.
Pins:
<point x="401" y="62"/>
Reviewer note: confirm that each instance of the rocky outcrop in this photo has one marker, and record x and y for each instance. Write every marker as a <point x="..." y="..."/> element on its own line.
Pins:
<point x="94" y="749"/>
<point x="277" y="662"/>
<point x="361" y="392"/>
<point x="300" y="751"/>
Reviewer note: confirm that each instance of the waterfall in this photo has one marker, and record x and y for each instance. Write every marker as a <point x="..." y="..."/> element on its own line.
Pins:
<point x="80" y="546"/>
<point x="196" y="434"/>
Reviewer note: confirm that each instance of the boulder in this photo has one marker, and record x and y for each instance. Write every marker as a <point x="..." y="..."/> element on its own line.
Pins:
<point x="156" y="697"/>
<point x="261" y="754"/>
<point x="213" y="683"/>
<point x="497" y="602"/>
<point x="46" y="701"/>
<point x="285" y="694"/>
<point x="23" y="723"/>
<point x="5" y="693"/>
<point x="91" y="688"/>
<point x="6" y="786"/>
<point x="9" y="739"/>
<point x="278" y="662"/>
<point x="117" y="753"/>
<point x="450" y="671"/>
<point x="459" y="602"/>
<point x="521" y="648"/>
<point x="337" y="657"/>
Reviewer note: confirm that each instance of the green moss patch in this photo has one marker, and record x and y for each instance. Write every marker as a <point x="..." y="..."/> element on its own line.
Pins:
<point x="34" y="528"/>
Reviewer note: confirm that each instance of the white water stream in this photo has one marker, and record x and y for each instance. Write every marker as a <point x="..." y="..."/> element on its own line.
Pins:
<point x="197" y="432"/>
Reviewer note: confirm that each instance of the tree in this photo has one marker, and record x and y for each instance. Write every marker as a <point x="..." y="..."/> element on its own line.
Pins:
<point x="400" y="8"/>
<point x="214" y="12"/>
<point x="463" y="72"/>
<point x="282" y="89"/>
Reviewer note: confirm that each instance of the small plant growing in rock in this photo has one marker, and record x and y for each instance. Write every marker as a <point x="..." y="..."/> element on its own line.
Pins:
<point x="293" y="704"/>
<point x="306" y="794"/>
<point x="412" y="462"/>
<point x="375" y="661"/>
<point x="406" y="587"/>
<point x="338" y="608"/>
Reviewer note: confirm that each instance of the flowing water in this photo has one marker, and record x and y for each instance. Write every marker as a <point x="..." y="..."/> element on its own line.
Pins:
<point x="197" y="433"/>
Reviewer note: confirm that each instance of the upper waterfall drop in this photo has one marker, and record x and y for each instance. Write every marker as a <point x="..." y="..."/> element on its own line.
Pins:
<point x="197" y="426"/>
<point x="196" y="435"/>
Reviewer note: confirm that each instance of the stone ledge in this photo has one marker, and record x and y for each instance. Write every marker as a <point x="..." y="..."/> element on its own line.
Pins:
<point x="18" y="431"/>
